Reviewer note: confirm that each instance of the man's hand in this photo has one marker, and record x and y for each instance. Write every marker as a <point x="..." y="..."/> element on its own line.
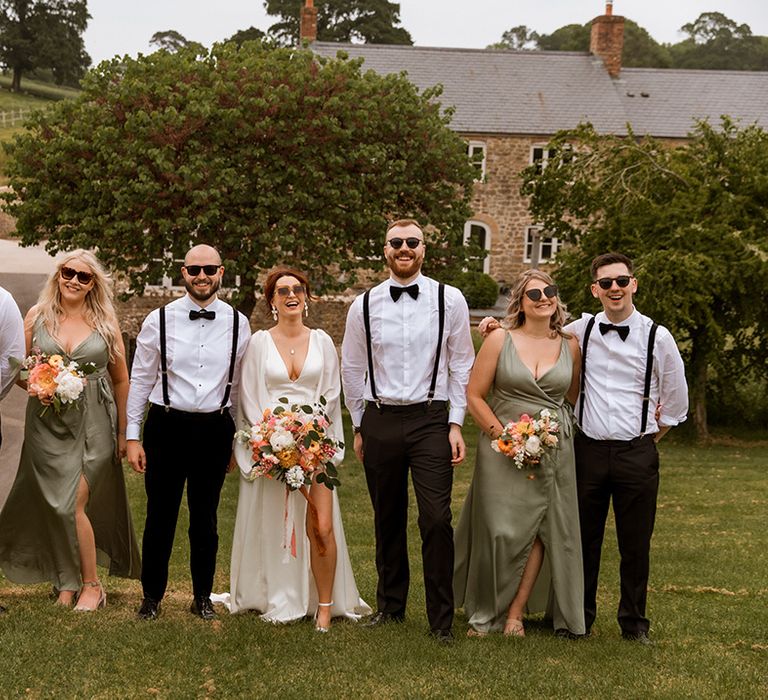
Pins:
<point x="458" y="448"/>
<point x="357" y="446"/>
<point x="136" y="456"/>
<point x="488" y="324"/>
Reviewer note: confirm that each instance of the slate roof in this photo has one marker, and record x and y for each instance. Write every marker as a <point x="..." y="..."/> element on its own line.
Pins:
<point x="540" y="92"/>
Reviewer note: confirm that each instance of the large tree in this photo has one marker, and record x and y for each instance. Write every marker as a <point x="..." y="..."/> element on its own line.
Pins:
<point x="695" y="220"/>
<point x="171" y="40"/>
<point x="273" y="155"/>
<point x="367" y="21"/>
<point x="44" y="34"/>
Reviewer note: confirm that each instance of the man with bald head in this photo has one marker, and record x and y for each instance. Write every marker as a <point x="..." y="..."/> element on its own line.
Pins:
<point x="186" y="367"/>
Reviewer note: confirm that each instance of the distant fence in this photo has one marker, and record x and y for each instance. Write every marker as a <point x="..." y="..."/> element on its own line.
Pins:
<point x="14" y="116"/>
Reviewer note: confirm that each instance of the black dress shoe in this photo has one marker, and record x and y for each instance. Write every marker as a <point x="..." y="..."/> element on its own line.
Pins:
<point x="149" y="610"/>
<point x="203" y="608"/>
<point x="442" y="636"/>
<point x="564" y="633"/>
<point x="639" y="637"/>
<point x="382" y="618"/>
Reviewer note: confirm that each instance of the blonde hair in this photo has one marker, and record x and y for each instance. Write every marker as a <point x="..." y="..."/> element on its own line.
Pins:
<point x="99" y="311"/>
<point x="515" y="317"/>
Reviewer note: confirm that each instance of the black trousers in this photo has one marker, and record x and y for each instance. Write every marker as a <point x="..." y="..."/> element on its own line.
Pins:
<point x="191" y="448"/>
<point x="396" y="438"/>
<point x="628" y="472"/>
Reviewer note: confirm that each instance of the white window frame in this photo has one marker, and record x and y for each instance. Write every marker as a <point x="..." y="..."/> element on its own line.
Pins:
<point x="556" y="244"/>
<point x="546" y="153"/>
<point x="471" y="147"/>
<point x="467" y="234"/>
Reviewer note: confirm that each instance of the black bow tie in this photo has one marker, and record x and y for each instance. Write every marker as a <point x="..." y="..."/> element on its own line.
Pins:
<point x="397" y="292"/>
<point x="623" y="331"/>
<point x="194" y="315"/>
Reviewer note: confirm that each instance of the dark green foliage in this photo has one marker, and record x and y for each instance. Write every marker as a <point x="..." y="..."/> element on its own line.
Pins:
<point x="272" y="155"/>
<point x="480" y="290"/>
<point x="250" y="34"/>
<point x="172" y="41"/>
<point x="694" y="219"/>
<point x="367" y="21"/>
<point x="36" y="34"/>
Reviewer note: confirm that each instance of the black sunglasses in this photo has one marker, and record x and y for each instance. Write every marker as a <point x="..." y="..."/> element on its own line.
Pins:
<point x="549" y="291"/>
<point x="194" y="270"/>
<point x="606" y="282"/>
<point x="397" y="243"/>
<point x="297" y="289"/>
<point x="68" y="273"/>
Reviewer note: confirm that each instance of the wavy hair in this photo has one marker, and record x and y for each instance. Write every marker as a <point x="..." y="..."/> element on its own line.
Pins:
<point x="99" y="311"/>
<point x="271" y="283"/>
<point x="515" y="317"/>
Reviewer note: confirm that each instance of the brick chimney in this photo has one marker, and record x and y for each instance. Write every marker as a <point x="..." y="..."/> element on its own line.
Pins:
<point x="308" y="31"/>
<point x="607" y="39"/>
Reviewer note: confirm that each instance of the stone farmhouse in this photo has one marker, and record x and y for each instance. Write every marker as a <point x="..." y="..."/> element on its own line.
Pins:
<point x="508" y="104"/>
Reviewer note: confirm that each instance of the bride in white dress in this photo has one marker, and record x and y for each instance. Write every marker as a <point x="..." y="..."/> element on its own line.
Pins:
<point x="288" y="580"/>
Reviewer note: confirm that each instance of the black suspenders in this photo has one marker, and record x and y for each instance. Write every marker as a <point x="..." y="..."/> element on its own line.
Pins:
<point x="164" y="361"/>
<point x="648" y="373"/>
<point x="440" y="332"/>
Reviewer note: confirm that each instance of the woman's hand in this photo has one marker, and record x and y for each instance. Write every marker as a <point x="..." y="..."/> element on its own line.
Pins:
<point x="122" y="447"/>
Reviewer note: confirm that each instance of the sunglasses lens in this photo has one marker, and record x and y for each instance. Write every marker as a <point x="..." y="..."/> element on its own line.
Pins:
<point x="533" y="294"/>
<point x="396" y="243"/>
<point x="412" y="243"/>
<point x="84" y="277"/>
<point x="67" y="273"/>
<point x="622" y="281"/>
<point x="550" y="291"/>
<point x="193" y="270"/>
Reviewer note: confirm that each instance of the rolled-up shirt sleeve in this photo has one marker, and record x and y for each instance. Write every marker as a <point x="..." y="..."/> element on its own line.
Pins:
<point x="673" y="389"/>
<point x="144" y="373"/>
<point x="11" y="341"/>
<point x="354" y="362"/>
<point x="460" y="353"/>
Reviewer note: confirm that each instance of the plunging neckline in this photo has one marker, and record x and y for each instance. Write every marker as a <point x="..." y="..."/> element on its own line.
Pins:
<point x="72" y="352"/>
<point x="285" y="366"/>
<point x="527" y="368"/>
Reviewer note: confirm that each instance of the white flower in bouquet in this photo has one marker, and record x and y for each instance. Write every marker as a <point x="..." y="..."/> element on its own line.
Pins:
<point x="533" y="445"/>
<point x="294" y="477"/>
<point x="281" y="440"/>
<point x="69" y="384"/>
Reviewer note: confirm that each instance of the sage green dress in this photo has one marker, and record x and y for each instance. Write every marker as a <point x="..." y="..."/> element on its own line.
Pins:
<point x="38" y="541"/>
<point x="507" y="507"/>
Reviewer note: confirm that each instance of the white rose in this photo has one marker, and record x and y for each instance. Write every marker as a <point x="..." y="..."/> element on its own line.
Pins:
<point x="294" y="477"/>
<point x="533" y="445"/>
<point x="70" y="386"/>
<point x="281" y="440"/>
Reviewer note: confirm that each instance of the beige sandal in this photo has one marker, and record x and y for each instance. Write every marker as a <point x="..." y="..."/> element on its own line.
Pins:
<point x="514" y="627"/>
<point x="472" y="632"/>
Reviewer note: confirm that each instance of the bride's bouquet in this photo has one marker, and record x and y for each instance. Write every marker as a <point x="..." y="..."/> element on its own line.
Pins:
<point x="526" y="440"/>
<point x="291" y="444"/>
<point x="53" y="380"/>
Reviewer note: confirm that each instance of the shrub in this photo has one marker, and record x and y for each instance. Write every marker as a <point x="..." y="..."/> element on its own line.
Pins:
<point x="480" y="290"/>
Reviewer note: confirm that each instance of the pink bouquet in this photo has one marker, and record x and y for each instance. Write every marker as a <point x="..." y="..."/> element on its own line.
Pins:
<point x="290" y="443"/>
<point x="526" y="440"/>
<point x="53" y="380"/>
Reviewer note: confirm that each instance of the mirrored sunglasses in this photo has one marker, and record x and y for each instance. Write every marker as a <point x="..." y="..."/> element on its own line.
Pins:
<point x="297" y="289"/>
<point x="397" y="243"/>
<point x="83" y="277"/>
<point x="606" y="282"/>
<point x="194" y="270"/>
<point x="549" y="291"/>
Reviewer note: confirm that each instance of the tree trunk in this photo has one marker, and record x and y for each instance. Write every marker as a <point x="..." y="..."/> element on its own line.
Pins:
<point x="247" y="304"/>
<point x="16" y="81"/>
<point x="698" y="387"/>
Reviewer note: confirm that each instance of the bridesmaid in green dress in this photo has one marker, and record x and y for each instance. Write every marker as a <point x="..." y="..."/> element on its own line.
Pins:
<point x="517" y="540"/>
<point x="68" y="509"/>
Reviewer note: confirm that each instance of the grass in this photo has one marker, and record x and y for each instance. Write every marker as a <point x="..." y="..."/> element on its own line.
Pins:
<point x="707" y="606"/>
<point x="34" y="93"/>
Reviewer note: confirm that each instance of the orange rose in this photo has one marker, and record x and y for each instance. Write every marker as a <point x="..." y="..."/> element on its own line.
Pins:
<point x="42" y="381"/>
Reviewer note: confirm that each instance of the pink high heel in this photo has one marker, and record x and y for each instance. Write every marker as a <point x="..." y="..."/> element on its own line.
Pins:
<point x="102" y="603"/>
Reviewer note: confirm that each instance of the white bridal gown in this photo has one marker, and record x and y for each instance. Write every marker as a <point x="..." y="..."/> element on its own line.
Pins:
<point x="265" y="575"/>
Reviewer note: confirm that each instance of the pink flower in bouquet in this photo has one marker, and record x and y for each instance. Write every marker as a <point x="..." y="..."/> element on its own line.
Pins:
<point x="42" y="381"/>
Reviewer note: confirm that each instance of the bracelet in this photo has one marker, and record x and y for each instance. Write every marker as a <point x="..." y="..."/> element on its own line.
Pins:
<point x="356" y="429"/>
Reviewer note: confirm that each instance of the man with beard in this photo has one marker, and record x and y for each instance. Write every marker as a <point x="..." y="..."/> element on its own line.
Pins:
<point x="11" y="346"/>
<point x="186" y="366"/>
<point x="407" y="353"/>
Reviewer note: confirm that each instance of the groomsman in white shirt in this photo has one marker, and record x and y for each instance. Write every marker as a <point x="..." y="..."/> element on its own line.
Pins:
<point x="406" y="357"/>
<point x="186" y="366"/>
<point x="11" y="346"/>
<point x="631" y="373"/>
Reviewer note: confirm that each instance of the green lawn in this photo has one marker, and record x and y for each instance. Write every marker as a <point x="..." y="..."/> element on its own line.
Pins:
<point x="707" y="605"/>
<point x="34" y="93"/>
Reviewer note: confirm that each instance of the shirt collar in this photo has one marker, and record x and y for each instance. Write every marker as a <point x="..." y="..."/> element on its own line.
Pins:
<point x="418" y="280"/>
<point x="189" y="304"/>
<point x="631" y="320"/>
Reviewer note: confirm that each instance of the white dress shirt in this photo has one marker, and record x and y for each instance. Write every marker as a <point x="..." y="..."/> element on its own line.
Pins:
<point x="403" y="341"/>
<point x="11" y="340"/>
<point x="615" y="379"/>
<point x="198" y="355"/>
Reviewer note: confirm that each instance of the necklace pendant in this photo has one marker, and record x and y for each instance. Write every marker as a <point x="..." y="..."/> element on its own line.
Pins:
<point x="293" y="352"/>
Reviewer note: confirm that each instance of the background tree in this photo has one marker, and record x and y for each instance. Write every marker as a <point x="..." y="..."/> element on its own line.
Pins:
<point x="250" y="34"/>
<point x="366" y="21"/>
<point x="694" y="219"/>
<point x="171" y="40"/>
<point x="273" y="155"/>
<point x="517" y="39"/>
<point x="44" y="35"/>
